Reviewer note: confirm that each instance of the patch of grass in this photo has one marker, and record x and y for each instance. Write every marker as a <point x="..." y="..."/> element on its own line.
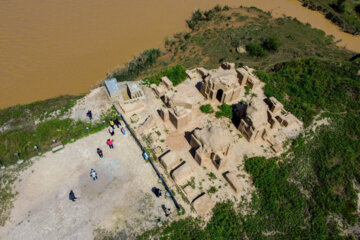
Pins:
<point x="190" y="183"/>
<point x="7" y="178"/>
<point x="271" y="43"/>
<point x="212" y="190"/>
<point x="176" y="74"/>
<point x="20" y="116"/>
<point x="225" y="111"/>
<point x="255" y="49"/>
<point x="207" y="108"/>
<point x="247" y="90"/>
<point x="63" y="130"/>
<point x="211" y="176"/>
<point x="285" y="38"/>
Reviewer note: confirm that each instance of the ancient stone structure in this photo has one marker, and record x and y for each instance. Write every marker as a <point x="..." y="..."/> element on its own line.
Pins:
<point x="255" y="123"/>
<point x="278" y="112"/>
<point x="182" y="174"/>
<point x="163" y="87"/>
<point x="131" y="107"/>
<point x="225" y="83"/>
<point x="223" y="86"/>
<point x="212" y="144"/>
<point x="112" y="88"/>
<point x="233" y="181"/>
<point x="202" y="204"/>
<point x="147" y="124"/>
<point x="246" y="78"/>
<point x="179" y="110"/>
<point x="170" y="160"/>
<point x="166" y="81"/>
<point x="172" y="99"/>
<point x="123" y="91"/>
<point x="134" y="91"/>
<point x="259" y="117"/>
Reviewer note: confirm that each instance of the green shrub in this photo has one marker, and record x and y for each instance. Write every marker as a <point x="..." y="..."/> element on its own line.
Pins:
<point x="207" y="108"/>
<point x="247" y="90"/>
<point x="217" y="8"/>
<point x="255" y="49"/>
<point x="212" y="190"/>
<point x="195" y="18"/>
<point x="271" y="43"/>
<point x="225" y="111"/>
<point x="137" y="66"/>
<point x="357" y="9"/>
<point x="176" y="74"/>
<point x="211" y="176"/>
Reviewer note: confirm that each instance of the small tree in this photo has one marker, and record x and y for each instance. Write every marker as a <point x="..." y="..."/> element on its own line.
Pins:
<point x="207" y="108"/>
<point x="255" y="50"/>
<point x="357" y="9"/>
<point x="271" y="43"/>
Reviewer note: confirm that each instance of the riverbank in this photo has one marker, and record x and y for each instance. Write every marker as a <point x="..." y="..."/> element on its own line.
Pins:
<point x="84" y="40"/>
<point x="345" y="14"/>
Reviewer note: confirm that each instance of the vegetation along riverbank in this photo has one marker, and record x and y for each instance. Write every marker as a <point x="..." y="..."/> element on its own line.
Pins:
<point x="344" y="13"/>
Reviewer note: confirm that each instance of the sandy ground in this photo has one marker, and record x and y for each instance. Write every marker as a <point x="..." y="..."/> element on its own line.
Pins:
<point x="121" y="196"/>
<point x="97" y="101"/>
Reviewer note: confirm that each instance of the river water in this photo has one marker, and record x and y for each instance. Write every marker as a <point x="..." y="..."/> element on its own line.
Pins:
<point x="53" y="47"/>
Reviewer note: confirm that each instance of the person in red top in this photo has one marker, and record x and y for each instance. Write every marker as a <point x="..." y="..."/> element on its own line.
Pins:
<point x="110" y="143"/>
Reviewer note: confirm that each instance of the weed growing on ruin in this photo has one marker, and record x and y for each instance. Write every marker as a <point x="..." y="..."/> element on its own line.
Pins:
<point x="225" y="111"/>
<point x="212" y="190"/>
<point x="176" y="74"/>
<point x="207" y="108"/>
<point x="211" y="176"/>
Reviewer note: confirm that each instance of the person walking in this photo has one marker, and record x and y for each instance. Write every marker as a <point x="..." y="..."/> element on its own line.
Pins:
<point x="89" y="114"/>
<point x="99" y="152"/>
<point x="117" y="122"/>
<point x="111" y="122"/>
<point x="111" y="131"/>
<point x="72" y="196"/>
<point x="93" y="174"/>
<point x="123" y="130"/>
<point x="110" y="143"/>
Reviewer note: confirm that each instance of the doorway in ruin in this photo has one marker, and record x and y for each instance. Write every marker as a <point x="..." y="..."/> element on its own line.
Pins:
<point x="219" y="95"/>
<point x="217" y="161"/>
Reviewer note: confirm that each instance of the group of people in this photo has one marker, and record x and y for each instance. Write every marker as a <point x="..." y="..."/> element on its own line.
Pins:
<point x="112" y="124"/>
<point x="109" y="142"/>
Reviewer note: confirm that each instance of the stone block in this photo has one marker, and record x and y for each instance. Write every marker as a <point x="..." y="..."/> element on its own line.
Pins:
<point x="128" y="108"/>
<point x="182" y="174"/>
<point x="191" y="193"/>
<point x="166" y="81"/>
<point x="233" y="181"/>
<point x="134" y="118"/>
<point x="202" y="204"/>
<point x="147" y="124"/>
<point x="170" y="160"/>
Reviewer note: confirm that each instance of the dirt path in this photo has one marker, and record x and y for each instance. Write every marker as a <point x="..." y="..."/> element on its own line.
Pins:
<point x="121" y="195"/>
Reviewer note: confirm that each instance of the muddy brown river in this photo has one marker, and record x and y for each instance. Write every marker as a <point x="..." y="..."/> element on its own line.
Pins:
<point x="49" y="48"/>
